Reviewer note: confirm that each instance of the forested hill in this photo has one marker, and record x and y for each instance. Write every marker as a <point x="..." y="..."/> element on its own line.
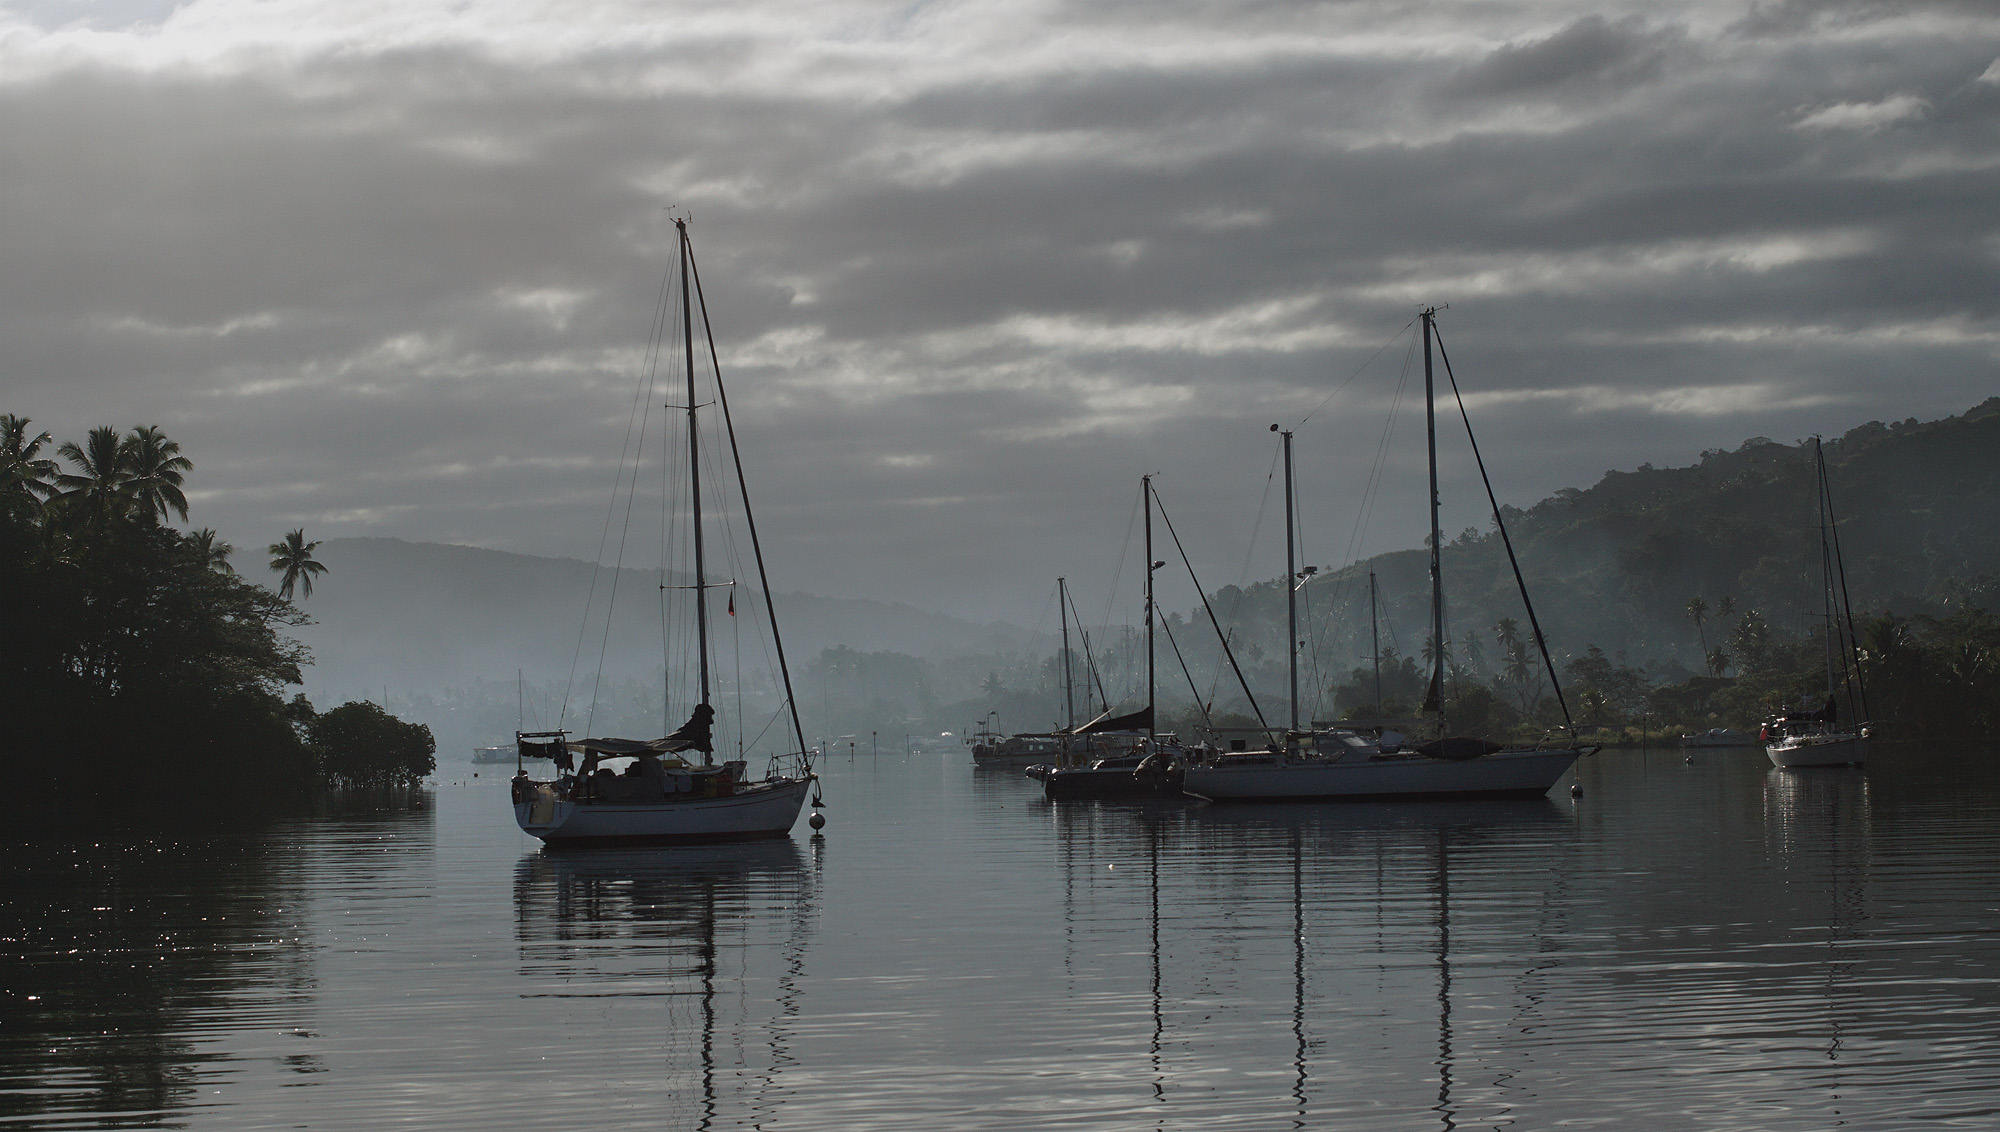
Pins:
<point x="1617" y="564"/>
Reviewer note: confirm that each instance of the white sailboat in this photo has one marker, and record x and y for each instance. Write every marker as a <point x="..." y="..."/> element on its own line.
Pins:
<point x="1344" y="765"/>
<point x="1819" y="737"/>
<point x="672" y="790"/>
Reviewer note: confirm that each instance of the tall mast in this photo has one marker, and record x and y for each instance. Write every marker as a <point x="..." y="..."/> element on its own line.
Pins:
<point x="1852" y="653"/>
<point x="1069" y="699"/>
<point x="694" y="467"/>
<point x="1375" y="643"/>
<point x="1291" y="586"/>
<point x="1825" y="567"/>
<point x="1152" y="724"/>
<point x="1434" y="698"/>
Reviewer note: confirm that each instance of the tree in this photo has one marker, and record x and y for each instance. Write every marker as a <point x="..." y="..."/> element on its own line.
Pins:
<point x="155" y="470"/>
<point x="98" y="486"/>
<point x="124" y="647"/>
<point x="1697" y="610"/>
<point x="1718" y="661"/>
<point x="293" y="559"/>
<point x="211" y="551"/>
<point x="359" y="744"/>
<point x="27" y="478"/>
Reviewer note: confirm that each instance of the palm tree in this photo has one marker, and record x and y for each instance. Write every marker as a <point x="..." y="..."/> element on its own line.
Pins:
<point x="1718" y="661"/>
<point x="102" y="472"/>
<point x="211" y="551"/>
<point x="293" y="558"/>
<point x="157" y="470"/>
<point x="26" y="476"/>
<point x="1698" y="613"/>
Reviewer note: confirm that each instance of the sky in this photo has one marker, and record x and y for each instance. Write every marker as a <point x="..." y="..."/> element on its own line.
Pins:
<point x="388" y="268"/>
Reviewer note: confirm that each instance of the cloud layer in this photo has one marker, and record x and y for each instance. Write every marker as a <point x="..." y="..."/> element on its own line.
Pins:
<point x="388" y="268"/>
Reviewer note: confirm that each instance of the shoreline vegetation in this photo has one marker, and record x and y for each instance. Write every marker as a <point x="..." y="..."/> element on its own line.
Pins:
<point x="127" y="645"/>
<point x="135" y="660"/>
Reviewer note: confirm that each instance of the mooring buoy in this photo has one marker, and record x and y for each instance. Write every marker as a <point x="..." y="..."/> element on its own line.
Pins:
<point x="817" y="820"/>
<point x="1575" y="790"/>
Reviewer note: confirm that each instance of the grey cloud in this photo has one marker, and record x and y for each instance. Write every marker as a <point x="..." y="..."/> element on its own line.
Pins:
<point x="402" y="293"/>
<point x="1591" y="55"/>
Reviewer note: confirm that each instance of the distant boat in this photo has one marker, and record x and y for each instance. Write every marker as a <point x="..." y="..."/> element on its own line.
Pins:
<point x="1018" y="750"/>
<point x="1124" y="757"/>
<point x="1818" y="736"/>
<point x="1719" y="737"/>
<point x="1344" y="765"/>
<point x="671" y="789"/>
<point x="488" y="755"/>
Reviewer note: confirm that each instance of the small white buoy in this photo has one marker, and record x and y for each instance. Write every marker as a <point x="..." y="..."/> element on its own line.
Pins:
<point x="1575" y="790"/>
<point x="817" y="820"/>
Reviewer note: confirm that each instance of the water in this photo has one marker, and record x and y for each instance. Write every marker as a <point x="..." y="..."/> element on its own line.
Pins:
<point x="1705" y="944"/>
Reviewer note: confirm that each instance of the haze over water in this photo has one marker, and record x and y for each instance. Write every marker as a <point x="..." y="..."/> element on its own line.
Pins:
<point x="1698" y="944"/>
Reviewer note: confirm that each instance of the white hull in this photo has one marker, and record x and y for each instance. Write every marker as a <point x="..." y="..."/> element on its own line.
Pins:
<point x="1846" y="749"/>
<point x="761" y="809"/>
<point x="1503" y="774"/>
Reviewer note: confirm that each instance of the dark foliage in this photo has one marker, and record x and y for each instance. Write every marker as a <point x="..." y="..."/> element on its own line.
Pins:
<point x="360" y="745"/>
<point x="130" y="660"/>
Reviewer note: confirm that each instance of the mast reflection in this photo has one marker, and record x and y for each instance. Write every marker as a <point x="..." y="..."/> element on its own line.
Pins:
<point x="690" y="928"/>
<point x="1223" y="884"/>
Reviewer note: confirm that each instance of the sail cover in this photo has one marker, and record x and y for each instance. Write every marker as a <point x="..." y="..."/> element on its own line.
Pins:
<point x="1141" y="720"/>
<point x="694" y="735"/>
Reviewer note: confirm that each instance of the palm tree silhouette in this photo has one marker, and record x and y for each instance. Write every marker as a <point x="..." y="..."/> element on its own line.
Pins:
<point x="1697" y="609"/>
<point x="99" y="483"/>
<point x="293" y="558"/>
<point x="211" y="551"/>
<point x="27" y="477"/>
<point x="156" y="469"/>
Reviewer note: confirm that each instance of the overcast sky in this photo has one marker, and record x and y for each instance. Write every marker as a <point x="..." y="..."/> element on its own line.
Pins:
<point x="386" y="267"/>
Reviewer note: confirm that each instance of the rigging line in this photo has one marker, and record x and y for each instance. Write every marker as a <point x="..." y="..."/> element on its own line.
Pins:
<point x="1357" y="373"/>
<point x="1247" y="694"/>
<point x="1534" y="624"/>
<point x="1249" y="553"/>
<point x="756" y="546"/>
<point x="1124" y="551"/>
<point x="641" y="395"/>
<point x="1371" y="491"/>
<point x="1847" y="607"/>
<point x="1206" y="719"/>
<point x="1312" y="655"/>
<point x="624" y="530"/>
<point x="1089" y="662"/>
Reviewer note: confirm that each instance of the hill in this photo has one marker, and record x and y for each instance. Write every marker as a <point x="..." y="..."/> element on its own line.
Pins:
<point x="425" y="617"/>
<point x="1615" y="565"/>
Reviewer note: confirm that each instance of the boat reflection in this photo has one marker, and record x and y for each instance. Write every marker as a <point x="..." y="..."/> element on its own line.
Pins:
<point x="1222" y="883"/>
<point x="1820" y="823"/>
<point x="714" y="939"/>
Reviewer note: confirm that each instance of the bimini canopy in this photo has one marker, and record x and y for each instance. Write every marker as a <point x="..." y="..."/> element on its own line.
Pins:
<point x="694" y="735"/>
<point x="1141" y="720"/>
<point x="614" y="747"/>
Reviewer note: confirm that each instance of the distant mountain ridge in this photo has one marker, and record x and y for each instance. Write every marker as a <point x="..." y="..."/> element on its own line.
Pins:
<point x="431" y="616"/>
<point x="1612" y="565"/>
<point x="1616" y="564"/>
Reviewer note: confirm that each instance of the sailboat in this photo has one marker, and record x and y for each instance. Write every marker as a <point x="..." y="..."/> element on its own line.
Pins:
<point x="1335" y="764"/>
<point x="1818" y="737"/>
<point x="1116" y="757"/>
<point x="671" y="790"/>
<point x="1029" y="749"/>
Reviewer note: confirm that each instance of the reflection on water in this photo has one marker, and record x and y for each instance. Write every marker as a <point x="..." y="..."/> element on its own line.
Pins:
<point x="1695" y="944"/>
<point x="676" y="925"/>
<point x="136" y="945"/>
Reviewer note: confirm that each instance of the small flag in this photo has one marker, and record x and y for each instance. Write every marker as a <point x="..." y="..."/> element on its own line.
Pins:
<point x="732" y="605"/>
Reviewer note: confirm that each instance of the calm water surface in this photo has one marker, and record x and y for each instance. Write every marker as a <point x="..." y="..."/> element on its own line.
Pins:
<point x="1704" y="944"/>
